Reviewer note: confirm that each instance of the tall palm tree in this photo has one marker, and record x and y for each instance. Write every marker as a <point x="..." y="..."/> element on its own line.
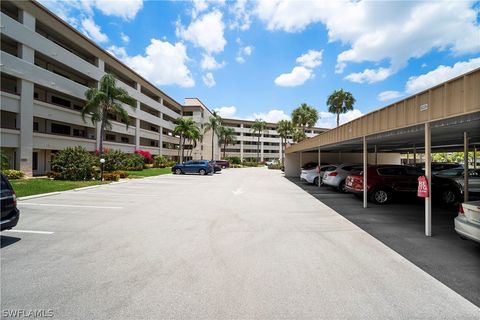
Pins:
<point x="304" y="116"/>
<point x="284" y="129"/>
<point x="193" y="136"/>
<point x="185" y="128"/>
<point x="340" y="101"/>
<point x="226" y="136"/>
<point x="298" y="135"/>
<point x="258" y="127"/>
<point x="105" y="100"/>
<point x="214" y="123"/>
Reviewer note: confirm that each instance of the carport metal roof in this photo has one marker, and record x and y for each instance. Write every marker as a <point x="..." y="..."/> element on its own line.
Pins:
<point x="450" y="109"/>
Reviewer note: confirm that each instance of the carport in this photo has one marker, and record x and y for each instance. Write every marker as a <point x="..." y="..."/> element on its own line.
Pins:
<point x="440" y="119"/>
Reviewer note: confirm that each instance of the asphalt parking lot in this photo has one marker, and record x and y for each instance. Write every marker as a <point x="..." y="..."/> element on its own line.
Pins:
<point x="400" y="225"/>
<point x="244" y="244"/>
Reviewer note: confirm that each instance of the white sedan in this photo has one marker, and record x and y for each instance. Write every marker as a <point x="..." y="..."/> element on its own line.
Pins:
<point x="467" y="223"/>
<point x="311" y="175"/>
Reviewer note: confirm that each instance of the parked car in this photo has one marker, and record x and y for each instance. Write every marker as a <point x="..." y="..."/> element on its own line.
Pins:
<point x="467" y="223"/>
<point x="10" y="213"/>
<point x="201" y="167"/>
<point x="336" y="178"/>
<point x="223" y="163"/>
<point x="216" y="167"/>
<point x="272" y="162"/>
<point x="439" y="166"/>
<point x="386" y="181"/>
<point x="309" y="165"/>
<point x="314" y="176"/>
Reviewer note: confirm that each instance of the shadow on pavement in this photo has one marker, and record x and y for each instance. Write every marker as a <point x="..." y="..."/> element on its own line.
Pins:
<point x="6" y="240"/>
<point x="400" y="226"/>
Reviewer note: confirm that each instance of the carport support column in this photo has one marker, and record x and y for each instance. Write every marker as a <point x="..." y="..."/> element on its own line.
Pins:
<point x="376" y="157"/>
<point x="365" y="163"/>
<point x="319" y="167"/>
<point x="300" y="163"/>
<point x="428" y="174"/>
<point x="465" y="165"/>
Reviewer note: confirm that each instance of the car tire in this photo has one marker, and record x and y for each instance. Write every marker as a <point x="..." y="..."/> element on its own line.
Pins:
<point x="342" y="187"/>
<point x="449" y="197"/>
<point x="315" y="181"/>
<point x="202" y="172"/>
<point x="380" y="196"/>
<point x="178" y="171"/>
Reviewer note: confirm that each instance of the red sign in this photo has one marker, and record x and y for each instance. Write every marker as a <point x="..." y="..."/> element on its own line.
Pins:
<point x="422" y="191"/>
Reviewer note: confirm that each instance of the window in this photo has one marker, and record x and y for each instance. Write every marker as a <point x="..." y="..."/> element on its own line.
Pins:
<point x="60" y="101"/>
<point x="35" y="126"/>
<point x="79" y="133"/>
<point x="391" y="171"/>
<point x="188" y="113"/>
<point x="60" y="129"/>
<point x="35" y="161"/>
<point x="110" y="137"/>
<point x="124" y="139"/>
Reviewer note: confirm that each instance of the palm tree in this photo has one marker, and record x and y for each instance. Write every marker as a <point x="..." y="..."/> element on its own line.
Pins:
<point x="193" y="136"/>
<point x="259" y="127"/>
<point x="106" y="100"/>
<point x="185" y="128"/>
<point x="284" y="129"/>
<point x="304" y="116"/>
<point x="298" y="135"/>
<point x="214" y="123"/>
<point x="340" y="101"/>
<point x="226" y="136"/>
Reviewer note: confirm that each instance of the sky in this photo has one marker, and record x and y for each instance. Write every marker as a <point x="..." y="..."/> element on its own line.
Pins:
<point x="262" y="59"/>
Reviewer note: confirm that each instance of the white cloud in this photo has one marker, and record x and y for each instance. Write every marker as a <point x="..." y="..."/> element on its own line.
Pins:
<point x="273" y="116"/>
<point x="205" y="32"/>
<point x="369" y="75"/>
<point x="311" y="59"/>
<point x="209" y="80"/>
<point x="163" y="63"/>
<point x="296" y="77"/>
<point x="124" y="37"/>
<point x="126" y="9"/>
<point x="226" y="112"/>
<point x="439" y="75"/>
<point x="247" y="50"/>
<point x="198" y="7"/>
<point x="93" y="31"/>
<point x="209" y="63"/>
<point x="241" y="13"/>
<point x="380" y="31"/>
<point x="388" y="95"/>
<point x="240" y="59"/>
<point x="329" y="120"/>
<point x="118" y="52"/>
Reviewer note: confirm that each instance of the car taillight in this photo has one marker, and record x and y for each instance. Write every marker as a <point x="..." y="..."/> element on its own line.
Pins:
<point x="333" y="174"/>
<point x="460" y="210"/>
<point x="14" y="199"/>
<point x="318" y="169"/>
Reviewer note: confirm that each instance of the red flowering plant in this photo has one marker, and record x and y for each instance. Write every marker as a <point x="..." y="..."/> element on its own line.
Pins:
<point x="147" y="156"/>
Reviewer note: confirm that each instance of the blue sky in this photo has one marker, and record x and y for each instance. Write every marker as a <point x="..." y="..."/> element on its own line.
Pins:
<point x="262" y="59"/>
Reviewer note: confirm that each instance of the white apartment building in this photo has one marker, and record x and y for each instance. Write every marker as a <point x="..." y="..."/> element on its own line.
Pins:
<point x="46" y="67"/>
<point x="246" y="142"/>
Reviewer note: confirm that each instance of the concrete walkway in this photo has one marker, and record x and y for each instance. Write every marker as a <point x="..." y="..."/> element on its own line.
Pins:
<point x="244" y="244"/>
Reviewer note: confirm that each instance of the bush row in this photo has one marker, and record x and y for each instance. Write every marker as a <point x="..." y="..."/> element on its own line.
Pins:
<point x="13" y="174"/>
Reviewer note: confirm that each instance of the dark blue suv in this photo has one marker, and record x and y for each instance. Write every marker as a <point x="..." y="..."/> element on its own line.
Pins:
<point x="201" y="167"/>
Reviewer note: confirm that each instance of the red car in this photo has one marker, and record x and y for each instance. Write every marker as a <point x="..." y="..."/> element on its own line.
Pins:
<point x="383" y="181"/>
<point x="222" y="163"/>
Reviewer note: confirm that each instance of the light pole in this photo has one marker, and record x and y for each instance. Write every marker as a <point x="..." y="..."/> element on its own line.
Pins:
<point x="102" y="161"/>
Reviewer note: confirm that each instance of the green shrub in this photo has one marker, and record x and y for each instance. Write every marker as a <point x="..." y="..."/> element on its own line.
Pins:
<point x="171" y="163"/>
<point x="114" y="160"/>
<point x="275" y="166"/>
<point x="4" y="163"/>
<point x="148" y="166"/>
<point x="134" y="162"/>
<point x="250" y="163"/>
<point x="111" y="176"/>
<point x="13" y="174"/>
<point x="74" y="164"/>
<point x="234" y="160"/>
<point x="160" y="161"/>
<point x="233" y="165"/>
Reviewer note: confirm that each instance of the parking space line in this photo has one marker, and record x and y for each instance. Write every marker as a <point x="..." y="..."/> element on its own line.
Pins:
<point x="29" y="231"/>
<point x="65" y="205"/>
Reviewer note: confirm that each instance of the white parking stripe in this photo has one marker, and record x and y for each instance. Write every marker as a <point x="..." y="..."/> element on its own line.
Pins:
<point x="65" y="205"/>
<point x="28" y="231"/>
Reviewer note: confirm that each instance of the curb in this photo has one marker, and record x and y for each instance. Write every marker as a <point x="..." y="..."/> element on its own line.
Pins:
<point x="41" y="195"/>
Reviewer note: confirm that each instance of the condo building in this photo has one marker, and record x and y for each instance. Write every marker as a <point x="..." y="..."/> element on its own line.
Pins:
<point x="46" y="68"/>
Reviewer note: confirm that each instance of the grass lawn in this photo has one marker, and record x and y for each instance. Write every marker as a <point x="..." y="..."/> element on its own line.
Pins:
<point x="28" y="187"/>
<point x="149" y="172"/>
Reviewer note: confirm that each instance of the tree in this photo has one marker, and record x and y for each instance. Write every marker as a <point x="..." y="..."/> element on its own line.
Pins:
<point x="214" y="123"/>
<point x="194" y="136"/>
<point x="185" y="128"/>
<point x="340" y="101"/>
<point x="226" y="136"/>
<point x="304" y="116"/>
<point x="284" y="129"/>
<point x="106" y="100"/>
<point x="298" y="135"/>
<point x="258" y="127"/>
